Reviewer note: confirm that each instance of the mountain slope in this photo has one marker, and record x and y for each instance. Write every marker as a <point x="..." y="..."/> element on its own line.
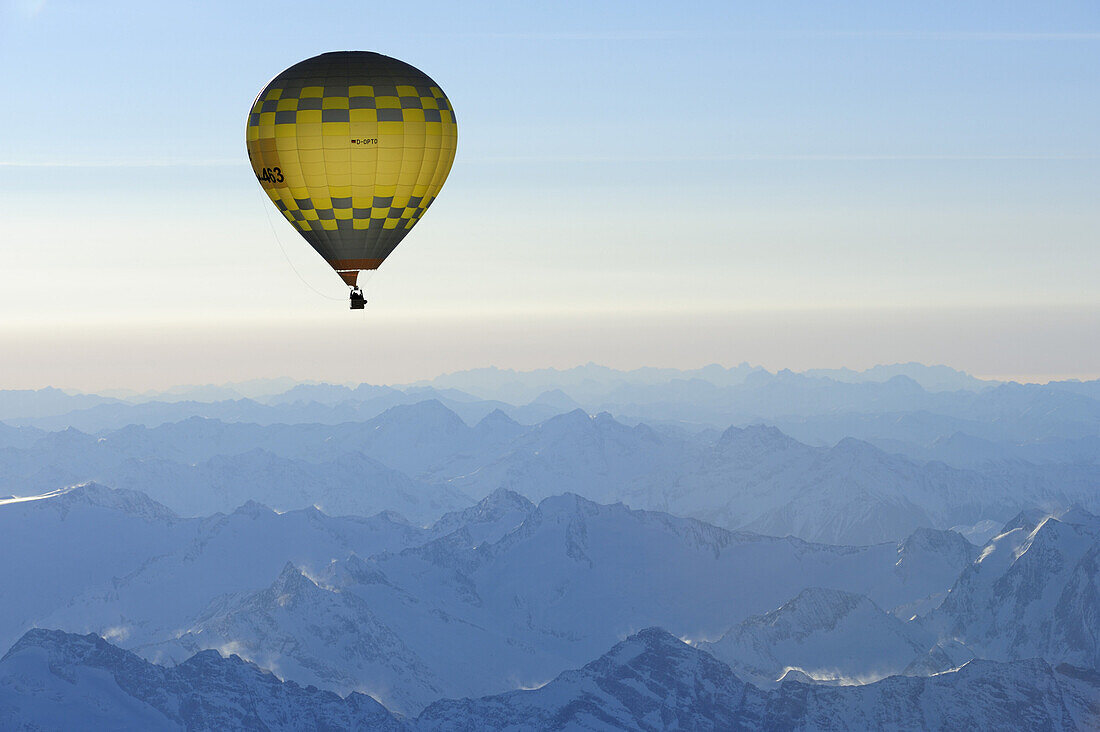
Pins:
<point x="596" y="457"/>
<point x="652" y="681"/>
<point x="55" y="680"/>
<point x="314" y="635"/>
<point x="758" y="478"/>
<point x="575" y="576"/>
<point x="240" y="552"/>
<point x="1034" y="591"/>
<point x="491" y="519"/>
<point x="67" y="542"/>
<point x="827" y="635"/>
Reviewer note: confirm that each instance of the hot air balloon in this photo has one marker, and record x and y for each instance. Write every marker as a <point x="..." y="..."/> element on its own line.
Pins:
<point x="352" y="147"/>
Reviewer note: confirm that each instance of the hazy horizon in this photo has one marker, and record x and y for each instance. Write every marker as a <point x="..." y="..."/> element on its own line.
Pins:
<point x="274" y="379"/>
<point x="847" y="185"/>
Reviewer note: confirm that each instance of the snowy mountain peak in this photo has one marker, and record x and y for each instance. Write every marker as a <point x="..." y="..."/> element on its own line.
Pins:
<point x="60" y="647"/>
<point x="499" y="504"/>
<point x="649" y="682"/>
<point x="354" y="571"/>
<point x="926" y="538"/>
<point x="949" y="546"/>
<point x="818" y="608"/>
<point x="253" y="510"/>
<point x="1027" y="520"/>
<point x="121" y="500"/>
<point x="502" y="498"/>
<point x="796" y="675"/>
<point x="66" y="438"/>
<point x="571" y="505"/>
<point x="56" y="680"/>
<point x="1052" y="535"/>
<point x="488" y="520"/>
<point x="649" y="640"/>
<point x="290" y="583"/>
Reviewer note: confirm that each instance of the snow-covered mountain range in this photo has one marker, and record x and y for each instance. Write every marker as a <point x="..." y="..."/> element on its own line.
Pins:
<point x="422" y="460"/>
<point x="650" y="680"/>
<point x="109" y="546"/>
<point x="903" y="548"/>
<point x="384" y="607"/>
<point x="537" y="588"/>
<point x="907" y="403"/>
<point x="653" y="681"/>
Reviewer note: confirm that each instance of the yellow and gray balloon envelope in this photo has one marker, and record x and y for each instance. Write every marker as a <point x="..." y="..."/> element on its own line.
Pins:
<point x="352" y="147"/>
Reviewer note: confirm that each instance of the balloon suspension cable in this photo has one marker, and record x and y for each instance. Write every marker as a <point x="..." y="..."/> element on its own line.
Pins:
<point x="275" y="233"/>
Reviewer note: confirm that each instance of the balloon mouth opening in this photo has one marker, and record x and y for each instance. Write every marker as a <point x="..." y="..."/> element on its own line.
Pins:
<point x="349" y="269"/>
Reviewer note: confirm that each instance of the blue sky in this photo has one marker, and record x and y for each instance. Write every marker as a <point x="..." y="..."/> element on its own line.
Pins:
<point x="791" y="184"/>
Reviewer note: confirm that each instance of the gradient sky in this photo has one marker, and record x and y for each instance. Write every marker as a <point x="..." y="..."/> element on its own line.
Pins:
<point x="800" y="185"/>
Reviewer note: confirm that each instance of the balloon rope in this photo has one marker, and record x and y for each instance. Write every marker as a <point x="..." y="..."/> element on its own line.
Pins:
<point x="274" y="233"/>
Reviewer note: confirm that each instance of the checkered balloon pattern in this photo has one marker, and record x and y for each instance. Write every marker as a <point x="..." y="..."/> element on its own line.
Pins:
<point x="352" y="147"/>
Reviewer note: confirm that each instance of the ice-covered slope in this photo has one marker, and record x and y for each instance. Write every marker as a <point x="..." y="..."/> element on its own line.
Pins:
<point x="1034" y="591"/>
<point x="649" y="681"/>
<point x="925" y="558"/>
<point x="575" y="576"/>
<point x="526" y="591"/>
<point x="314" y="635"/>
<point x="58" y="681"/>
<point x="240" y="552"/>
<point x="56" y="546"/>
<point x="826" y="634"/>
<point x="653" y="681"/>
<point x="494" y="516"/>
<point x="381" y="606"/>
